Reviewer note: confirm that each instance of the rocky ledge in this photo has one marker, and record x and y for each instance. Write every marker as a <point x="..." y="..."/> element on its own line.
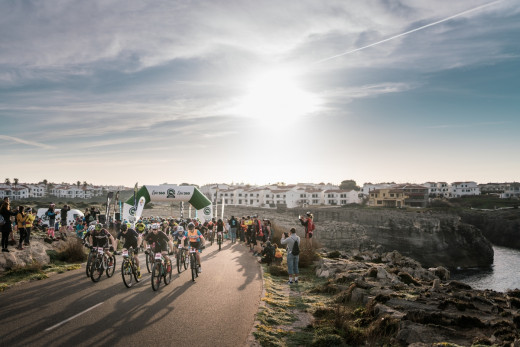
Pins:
<point x="426" y="306"/>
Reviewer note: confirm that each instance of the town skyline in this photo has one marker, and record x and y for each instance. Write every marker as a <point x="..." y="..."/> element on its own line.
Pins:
<point x="260" y="92"/>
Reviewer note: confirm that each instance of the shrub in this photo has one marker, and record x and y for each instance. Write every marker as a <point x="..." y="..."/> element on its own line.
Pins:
<point x="72" y="251"/>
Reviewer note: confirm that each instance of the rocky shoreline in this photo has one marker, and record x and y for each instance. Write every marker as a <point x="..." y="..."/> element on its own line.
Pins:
<point x="424" y="305"/>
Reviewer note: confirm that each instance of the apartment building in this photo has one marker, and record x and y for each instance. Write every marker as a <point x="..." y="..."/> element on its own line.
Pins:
<point x="460" y="189"/>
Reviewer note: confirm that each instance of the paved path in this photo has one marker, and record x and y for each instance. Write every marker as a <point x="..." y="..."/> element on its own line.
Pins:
<point x="68" y="309"/>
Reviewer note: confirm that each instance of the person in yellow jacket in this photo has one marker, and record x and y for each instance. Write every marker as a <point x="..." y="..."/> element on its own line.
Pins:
<point x="29" y="221"/>
<point x="20" y="223"/>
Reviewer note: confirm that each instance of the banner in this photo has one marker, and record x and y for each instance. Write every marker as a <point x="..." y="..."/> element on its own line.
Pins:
<point x="166" y="192"/>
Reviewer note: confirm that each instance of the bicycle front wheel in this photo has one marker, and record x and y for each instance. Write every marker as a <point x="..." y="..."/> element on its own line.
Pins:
<point x="111" y="268"/>
<point x="149" y="261"/>
<point x="193" y="265"/>
<point x="96" y="269"/>
<point x="156" y="275"/>
<point x="168" y="274"/>
<point x="185" y="260"/>
<point x="89" y="264"/>
<point x="126" y="272"/>
<point x="178" y="258"/>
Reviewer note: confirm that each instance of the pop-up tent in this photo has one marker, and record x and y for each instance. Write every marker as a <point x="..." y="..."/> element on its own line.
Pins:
<point x="133" y="207"/>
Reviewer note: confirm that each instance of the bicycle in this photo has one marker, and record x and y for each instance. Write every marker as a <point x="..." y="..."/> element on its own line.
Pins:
<point x="129" y="268"/>
<point x="102" y="262"/>
<point x="193" y="262"/>
<point x="182" y="259"/>
<point x="161" y="271"/>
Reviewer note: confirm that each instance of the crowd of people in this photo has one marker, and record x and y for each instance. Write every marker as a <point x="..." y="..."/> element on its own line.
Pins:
<point x="164" y="233"/>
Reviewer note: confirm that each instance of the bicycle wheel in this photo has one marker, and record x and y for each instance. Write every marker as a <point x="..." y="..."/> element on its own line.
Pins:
<point x="178" y="258"/>
<point x="168" y="274"/>
<point x="111" y="268"/>
<point x="149" y="261"/>
<point x="96" y="269"/>
<point x="156" y="275"/>
<point x="185" y="260"/>
<point x="89" y="264"/>
<point x="193" y="265"/>
<point x="127" y="273"/>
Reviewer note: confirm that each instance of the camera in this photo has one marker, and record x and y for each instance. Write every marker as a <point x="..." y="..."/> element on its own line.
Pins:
<point x="286" y="234"/>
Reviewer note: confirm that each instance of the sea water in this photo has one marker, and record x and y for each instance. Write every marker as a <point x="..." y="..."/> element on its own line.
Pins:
<point x="501" y="276"/>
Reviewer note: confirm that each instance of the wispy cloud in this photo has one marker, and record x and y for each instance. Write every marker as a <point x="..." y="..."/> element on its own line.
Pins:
<point x="465" y="125"/>
<point x="25" y="142"/>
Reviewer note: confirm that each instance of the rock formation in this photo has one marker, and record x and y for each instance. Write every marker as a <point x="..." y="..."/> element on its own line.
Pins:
<point x="425" y="308"/>
<point x="434" y="239"/>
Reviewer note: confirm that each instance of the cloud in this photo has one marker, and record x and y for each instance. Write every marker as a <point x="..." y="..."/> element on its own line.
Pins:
<point x="25" y="142"/>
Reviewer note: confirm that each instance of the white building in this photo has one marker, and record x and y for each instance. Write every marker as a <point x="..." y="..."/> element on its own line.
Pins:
<point x="511" y="191"/>
<point x="459" y="189"/>
<point x="437" y="189"/>
<point x="338" y="197"/>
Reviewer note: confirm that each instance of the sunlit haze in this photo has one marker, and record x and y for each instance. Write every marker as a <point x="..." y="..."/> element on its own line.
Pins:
<point x="259" y="92"/>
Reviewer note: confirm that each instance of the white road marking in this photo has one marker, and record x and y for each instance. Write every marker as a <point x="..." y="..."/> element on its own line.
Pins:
<point x="71" y="318"/>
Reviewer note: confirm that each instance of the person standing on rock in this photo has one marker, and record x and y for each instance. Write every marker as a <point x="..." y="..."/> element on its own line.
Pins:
<point x="51" y="214"/>
<point x="63" y="225"/>
<point x="21" y="218"/>
<point x="29" y="221"/>
<point x="308" y="223"/>
<point x="292" y="259"/>
<point x="7" y="228"/>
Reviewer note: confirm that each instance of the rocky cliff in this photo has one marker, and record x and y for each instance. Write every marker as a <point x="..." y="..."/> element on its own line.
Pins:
<point x="433" y="239"/>
<point x="423" y="307"/>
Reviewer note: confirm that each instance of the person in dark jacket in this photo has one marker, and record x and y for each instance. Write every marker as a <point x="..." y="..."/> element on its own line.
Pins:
<point x="6" y="212"/>
<point x="267" y="253"/>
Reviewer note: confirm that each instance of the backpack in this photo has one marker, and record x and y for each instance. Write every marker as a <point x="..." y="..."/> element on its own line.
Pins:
<point x="295" y="248"/>
<point x="2" y="220"/>
<point x="233" y="222"/>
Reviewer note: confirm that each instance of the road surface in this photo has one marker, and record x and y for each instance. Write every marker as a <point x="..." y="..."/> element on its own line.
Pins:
<point x="68" y="309"/>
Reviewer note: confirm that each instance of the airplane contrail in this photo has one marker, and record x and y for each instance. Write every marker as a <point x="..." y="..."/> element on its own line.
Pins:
<point x="410" y="31"/>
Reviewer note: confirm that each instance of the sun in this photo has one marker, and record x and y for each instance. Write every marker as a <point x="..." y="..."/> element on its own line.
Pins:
<point x="276" y="96"/>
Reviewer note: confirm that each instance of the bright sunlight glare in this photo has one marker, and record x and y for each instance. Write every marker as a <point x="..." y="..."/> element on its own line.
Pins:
<point x="275" y="96"/>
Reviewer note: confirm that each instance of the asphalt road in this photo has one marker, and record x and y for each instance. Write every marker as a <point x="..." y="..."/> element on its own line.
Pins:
<point x="68" y="309"/>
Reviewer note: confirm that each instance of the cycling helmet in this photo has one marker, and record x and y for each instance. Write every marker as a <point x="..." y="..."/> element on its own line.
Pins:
<point x="191" y="226"/>
<point x="180" y="228"/>
<point x="91" y="228"/>
<point x="155" y="226"/>
<point x="98" y="227"/>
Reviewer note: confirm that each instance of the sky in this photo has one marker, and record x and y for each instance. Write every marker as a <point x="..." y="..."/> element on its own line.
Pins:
<point x="125" y="91"/>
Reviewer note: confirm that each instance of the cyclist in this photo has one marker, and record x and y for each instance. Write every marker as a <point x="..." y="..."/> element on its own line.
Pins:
<point x="99" y="237"/>
<point x="196" y="240"/>
<point x="161" y="241"/>
<point x="179" y="236"/>
<point x="132" y="239"/>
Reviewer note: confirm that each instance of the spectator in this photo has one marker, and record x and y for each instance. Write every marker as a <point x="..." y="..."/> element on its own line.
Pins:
<point x="7" y="227"/>
<point x="51" y="215"/>
<point x="278" y="255"/>
<point x="292" y="260"/>
<point x="21" y="218"/>
<point x="267" y="230"/>
<point x="28" y="225"/>
<point x="233" y="226"/>
<point x="258" y="235"/>
<point x="267" y="253"/>
<point x="308" y="223"/>
<point x="63" y="225"/>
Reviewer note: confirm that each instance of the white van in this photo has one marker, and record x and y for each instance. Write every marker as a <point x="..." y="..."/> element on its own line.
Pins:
<point x="71" y="215"/>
